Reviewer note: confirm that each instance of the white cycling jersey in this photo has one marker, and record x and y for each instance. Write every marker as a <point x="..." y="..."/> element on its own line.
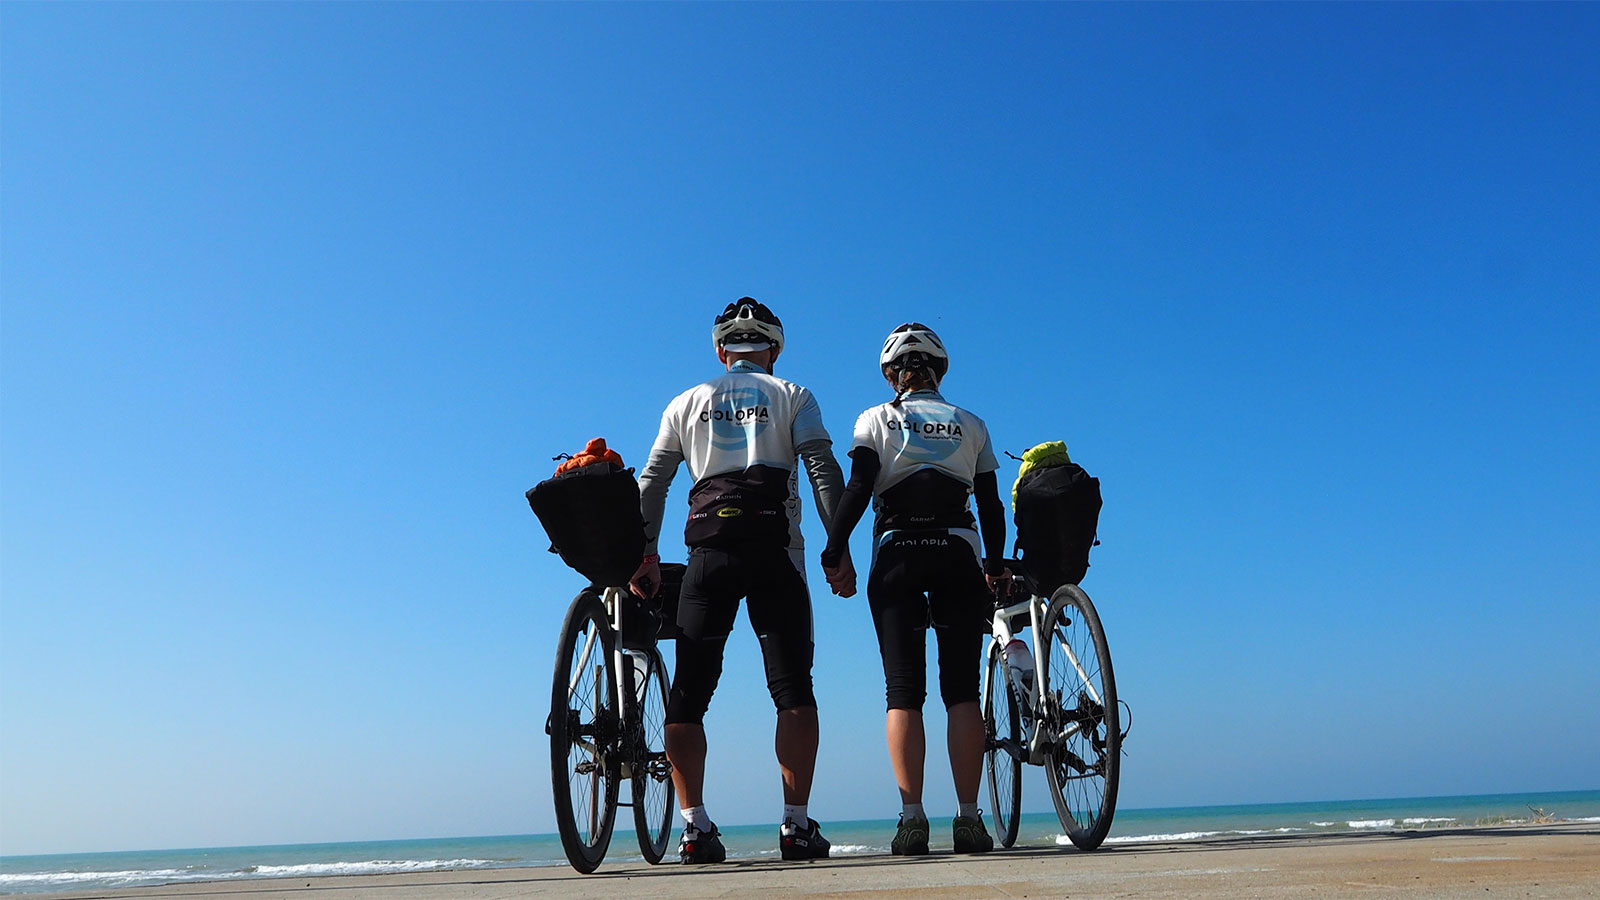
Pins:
<point x="924" y="432"/>
<point x="745" y="421"/>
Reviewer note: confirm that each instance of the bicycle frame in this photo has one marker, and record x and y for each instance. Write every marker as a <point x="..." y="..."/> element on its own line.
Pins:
<point x="612" y="597"/>
<point x="1038" y="740"/>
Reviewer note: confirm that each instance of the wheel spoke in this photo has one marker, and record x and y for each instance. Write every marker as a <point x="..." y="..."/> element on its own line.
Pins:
<point x="582" y="735"/>
<point x="1003" y="751"/>
<point x="1081" y="718"/>
<point x="652" y="773"/>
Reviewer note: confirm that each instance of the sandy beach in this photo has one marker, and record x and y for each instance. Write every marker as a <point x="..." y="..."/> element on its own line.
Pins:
<point x="1537" y="861"/>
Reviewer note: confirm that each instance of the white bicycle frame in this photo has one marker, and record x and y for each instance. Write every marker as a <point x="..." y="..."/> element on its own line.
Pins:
<point x="638" y="659"/>
<point x="1036" y="739"/>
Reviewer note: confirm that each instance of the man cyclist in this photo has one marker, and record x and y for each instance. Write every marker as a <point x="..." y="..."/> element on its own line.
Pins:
<point x="920" y="459"/>
<point x="740" y="434"/>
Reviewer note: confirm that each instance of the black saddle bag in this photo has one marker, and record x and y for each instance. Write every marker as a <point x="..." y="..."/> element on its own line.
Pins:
<point x="1057" y="512"/>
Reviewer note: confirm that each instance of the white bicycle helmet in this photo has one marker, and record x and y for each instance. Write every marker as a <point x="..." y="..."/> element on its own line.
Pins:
<point x="914" y="345"/>
<point x="747" y="326"/>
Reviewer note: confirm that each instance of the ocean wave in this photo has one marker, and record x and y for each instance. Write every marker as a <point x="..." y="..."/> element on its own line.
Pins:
<point x="115" y="878"/>
<point x="1371" y="823"/>
<point x="856" y="849"/>
<point x="1150" y="838"/>
<point x="1426" y="820"/>
<point x="366" y="867"/>
<point x="1063" y="840"/>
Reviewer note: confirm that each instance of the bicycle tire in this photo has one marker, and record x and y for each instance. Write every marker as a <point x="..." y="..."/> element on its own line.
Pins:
<point x="1004" y="767"/>
<point x="653" y="793"/>
<point x="1083" y="767"/>
<point x="583" y="726"/>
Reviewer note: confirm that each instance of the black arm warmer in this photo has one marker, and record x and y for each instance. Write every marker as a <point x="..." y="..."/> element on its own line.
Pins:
<point x="864" y="467"/>
<point x="991" y="521"/>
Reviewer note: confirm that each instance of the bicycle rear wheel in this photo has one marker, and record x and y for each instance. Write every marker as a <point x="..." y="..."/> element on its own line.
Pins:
<point x="652" y="774"/>
<point x="1002" y="746"/>
<point x="1082" y="715"/>
<point x="584" y="768"/>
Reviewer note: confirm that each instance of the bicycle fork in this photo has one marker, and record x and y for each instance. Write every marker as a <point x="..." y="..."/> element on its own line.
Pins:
<point x="1039" y="735"/>
<point x="625" y="663"/>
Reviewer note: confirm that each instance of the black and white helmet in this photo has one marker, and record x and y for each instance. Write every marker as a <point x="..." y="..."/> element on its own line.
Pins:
<point x="914" y="345"/>
<point x="747" y="326"/>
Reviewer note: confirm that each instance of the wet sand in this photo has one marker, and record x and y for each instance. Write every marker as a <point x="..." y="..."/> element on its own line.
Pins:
<point x="1530" y="861"/>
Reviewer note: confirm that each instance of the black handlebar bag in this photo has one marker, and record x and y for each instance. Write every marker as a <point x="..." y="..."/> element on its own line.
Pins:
<point x="591" y="514"/>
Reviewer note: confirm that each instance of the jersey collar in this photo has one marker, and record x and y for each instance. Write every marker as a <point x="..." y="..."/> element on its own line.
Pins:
<point x="745" y="365"/>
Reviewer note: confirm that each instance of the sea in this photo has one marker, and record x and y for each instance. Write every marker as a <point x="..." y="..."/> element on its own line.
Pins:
<point x="86" y="871"/>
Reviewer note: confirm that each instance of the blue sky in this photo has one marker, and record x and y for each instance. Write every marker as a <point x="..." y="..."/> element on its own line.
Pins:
<point x="298" y="299"/>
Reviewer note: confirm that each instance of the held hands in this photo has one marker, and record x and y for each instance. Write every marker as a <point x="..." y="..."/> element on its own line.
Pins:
<point x="842" y="578"/>
<point x="1000" y="584"/>
<point x="646" y="579"/>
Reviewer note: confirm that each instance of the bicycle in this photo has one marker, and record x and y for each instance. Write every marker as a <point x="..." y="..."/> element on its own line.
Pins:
<point x="1062" y="714"/>
<point x="607" y="723"/>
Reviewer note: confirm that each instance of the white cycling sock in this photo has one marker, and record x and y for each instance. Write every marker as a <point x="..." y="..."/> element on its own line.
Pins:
<point x="795" y="814"/>
<point x="695" y="817"/>
<point x="909" y="811"/>
<point x="968" y="810"/>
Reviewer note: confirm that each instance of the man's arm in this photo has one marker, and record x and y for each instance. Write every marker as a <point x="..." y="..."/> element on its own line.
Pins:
<point x="811" y="441"/>
<point x="827" y="479"/>
<point x="654" y="481"/>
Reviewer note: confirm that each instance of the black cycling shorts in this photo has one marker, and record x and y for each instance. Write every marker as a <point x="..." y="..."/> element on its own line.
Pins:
<point x="779" y="607"/>
<point x="920" y="578"/>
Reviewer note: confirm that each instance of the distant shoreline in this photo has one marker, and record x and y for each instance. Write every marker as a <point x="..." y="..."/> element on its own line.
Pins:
<point x="1555" y="861"/>
<point x="250" y="868"/>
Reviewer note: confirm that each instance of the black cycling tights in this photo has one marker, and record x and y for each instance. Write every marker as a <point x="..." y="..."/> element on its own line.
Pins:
<point x="780" y="613"/>
<point x="923" y="577"/>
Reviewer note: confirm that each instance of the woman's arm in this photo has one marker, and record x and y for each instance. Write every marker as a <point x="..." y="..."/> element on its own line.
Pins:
<point x="864" y="467"/>
<point x="991" y="521"/>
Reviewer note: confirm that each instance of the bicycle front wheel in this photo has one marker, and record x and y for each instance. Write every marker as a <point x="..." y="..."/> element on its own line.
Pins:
<point x="584" y="768"/>
<point x="1085" y="743"/>
<point x="1002" y="743"/>
<point x="652" y="774"/>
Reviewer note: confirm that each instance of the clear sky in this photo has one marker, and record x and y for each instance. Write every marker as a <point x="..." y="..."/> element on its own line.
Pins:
<point x="298" y="299"/>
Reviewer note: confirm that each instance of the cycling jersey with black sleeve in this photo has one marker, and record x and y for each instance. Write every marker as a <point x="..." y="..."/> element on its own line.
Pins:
<point x="929" y="451"/>
<point x="740" y="434"/>
<point x="920" y="460"/>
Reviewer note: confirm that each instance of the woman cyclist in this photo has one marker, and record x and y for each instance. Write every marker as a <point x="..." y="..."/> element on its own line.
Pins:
<point x="918" y="458"/>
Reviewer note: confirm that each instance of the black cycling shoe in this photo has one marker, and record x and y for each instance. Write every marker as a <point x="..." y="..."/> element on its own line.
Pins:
<point x="970" y="835"/>
<point x="701" y="846"/>
<point x="795" y="842"/>
<point x="910" y="838"/>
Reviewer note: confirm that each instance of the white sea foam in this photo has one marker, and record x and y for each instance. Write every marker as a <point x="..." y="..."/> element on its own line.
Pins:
<point x="1426" y="820"/>
<point x="1324" y="824"/>
<point x="1063" y="840"/>
<point x="851" y="849"/>
<point x="64" y="878"/>
<point x="1371" y="823"/>
<point x="1150" y="838"/>
<point x="367" y="867"/>
<point x="1584" y="819"/>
